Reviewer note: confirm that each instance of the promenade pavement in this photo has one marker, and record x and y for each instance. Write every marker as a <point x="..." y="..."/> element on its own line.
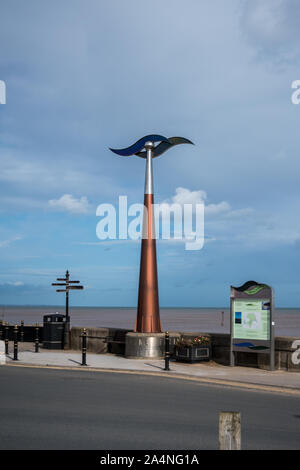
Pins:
<point x="210" y="372"/>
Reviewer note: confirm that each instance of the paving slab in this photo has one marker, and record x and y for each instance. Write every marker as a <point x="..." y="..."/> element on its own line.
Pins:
<point x="204" y="371"/>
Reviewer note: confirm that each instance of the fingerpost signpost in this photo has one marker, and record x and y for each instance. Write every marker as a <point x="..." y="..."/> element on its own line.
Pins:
<point x="65" y="282"/>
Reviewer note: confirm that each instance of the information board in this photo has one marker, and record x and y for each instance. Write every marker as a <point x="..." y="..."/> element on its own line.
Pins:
<point x="251" y="325"/>
<point x="251" y="319"/>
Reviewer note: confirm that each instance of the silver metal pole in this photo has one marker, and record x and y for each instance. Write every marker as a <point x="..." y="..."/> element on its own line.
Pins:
<point x="149" y="169"/>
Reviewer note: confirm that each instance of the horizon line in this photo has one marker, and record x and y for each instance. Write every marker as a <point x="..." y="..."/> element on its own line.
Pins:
<point x="127" y="306"/>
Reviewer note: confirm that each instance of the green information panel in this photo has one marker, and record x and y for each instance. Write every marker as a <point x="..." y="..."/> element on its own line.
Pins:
<point x="251" y="319"/>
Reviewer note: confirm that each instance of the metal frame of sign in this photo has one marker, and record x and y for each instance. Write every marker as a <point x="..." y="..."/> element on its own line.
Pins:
<point x="252" y="291"/>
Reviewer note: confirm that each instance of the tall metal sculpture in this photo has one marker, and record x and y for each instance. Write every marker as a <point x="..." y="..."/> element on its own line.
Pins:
<point x="148" y="319"/>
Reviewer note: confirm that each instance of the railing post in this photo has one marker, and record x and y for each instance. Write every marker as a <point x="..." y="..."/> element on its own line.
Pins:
<point x="6" y="331"/>
<point x="22" y="331"/>
<point x="83" y="362"/>
<point x="230" y="430"/>
<point x="15" y="342"/>
<point x="167" y="351"/>
<point x="37" y="339"/>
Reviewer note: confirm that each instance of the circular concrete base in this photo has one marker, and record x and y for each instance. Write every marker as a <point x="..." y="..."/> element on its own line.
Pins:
<point x="147" y="345"/>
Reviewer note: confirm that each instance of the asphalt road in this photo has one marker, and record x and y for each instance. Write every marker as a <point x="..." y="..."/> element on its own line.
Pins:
<point x="63" y="409"/>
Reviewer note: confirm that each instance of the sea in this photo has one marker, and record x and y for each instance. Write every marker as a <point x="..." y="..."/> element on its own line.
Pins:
<point x="204" y="320"/>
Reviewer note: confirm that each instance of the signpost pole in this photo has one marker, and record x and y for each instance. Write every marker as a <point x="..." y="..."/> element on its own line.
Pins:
<point x="231" y="359"/>
<point x="272" y="339"/>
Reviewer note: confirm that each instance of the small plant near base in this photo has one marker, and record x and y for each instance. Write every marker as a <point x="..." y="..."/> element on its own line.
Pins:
<point x="193" y="349"/>
<point x="201" y="340"/>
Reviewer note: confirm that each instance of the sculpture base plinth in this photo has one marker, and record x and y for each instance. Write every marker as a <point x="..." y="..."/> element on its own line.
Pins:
<point x="148" y="345"/>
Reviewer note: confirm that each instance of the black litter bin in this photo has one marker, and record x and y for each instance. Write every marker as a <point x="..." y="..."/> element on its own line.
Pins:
<point x="54" y="331"/>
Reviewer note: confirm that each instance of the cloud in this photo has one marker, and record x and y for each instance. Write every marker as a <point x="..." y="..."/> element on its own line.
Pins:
<point x="5" y="243"/>
<point x="219" y="217"/>
<point x="297" y="243"/>
<point x="27" y="181"/>
<point x="186" y="196"/>
<point x="242" y="226"/>
<point x="238" y="213"/>
<point x="68" y="203"/>
<point x="272" y="27"/>
<point x="216" y="209"/>
<point x="15" y="284"/>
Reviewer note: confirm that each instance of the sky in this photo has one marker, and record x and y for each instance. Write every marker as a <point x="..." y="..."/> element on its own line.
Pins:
<point x="83" y="76"/>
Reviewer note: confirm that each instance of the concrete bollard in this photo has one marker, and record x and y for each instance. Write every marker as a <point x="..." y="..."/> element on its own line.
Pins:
<point x="2" y="353"/>
<point x="229" y="430"/>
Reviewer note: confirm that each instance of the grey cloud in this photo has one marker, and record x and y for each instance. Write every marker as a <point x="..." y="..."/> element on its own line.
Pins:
<point x="272" y="28"/>
<point x="7" y="242"/>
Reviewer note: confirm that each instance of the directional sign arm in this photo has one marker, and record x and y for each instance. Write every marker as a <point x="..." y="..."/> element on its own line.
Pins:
<point x="66" y="284"/>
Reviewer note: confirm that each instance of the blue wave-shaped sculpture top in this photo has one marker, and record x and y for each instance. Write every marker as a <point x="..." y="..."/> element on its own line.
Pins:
<point x="164" y="146"/>
<point x="139" y="145"/>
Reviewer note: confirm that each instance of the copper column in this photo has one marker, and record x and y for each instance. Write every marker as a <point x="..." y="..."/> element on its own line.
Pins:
<point x="148" y="320"/>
